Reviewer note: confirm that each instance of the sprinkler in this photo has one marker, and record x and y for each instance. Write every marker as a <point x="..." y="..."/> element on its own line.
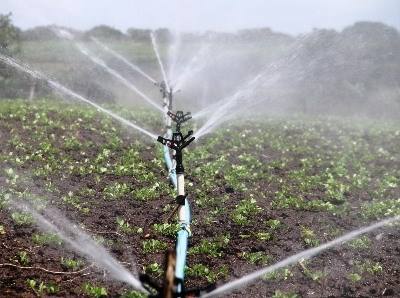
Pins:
<point x="179" y="118"/>
<point x="167" y="96"/>
<point x="177" y="143"/>
<point x="173" y="144"/>
<point x="163" y="89"/>
<point x="166" y="93"/>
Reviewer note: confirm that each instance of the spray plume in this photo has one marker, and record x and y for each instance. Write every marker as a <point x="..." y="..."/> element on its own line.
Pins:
<point x="123" y="59"/>
<point x="85" y="51"/>
<point x="307" y="254"/>
<point x="114" y="73"/>
<point x="173" y="53"/>
<point x="155" y="47"/>
<point x="192" y="67"/>
<point x="64" y="90"/>
<point x="54" y="222"/>
<point x="223" y="110"/>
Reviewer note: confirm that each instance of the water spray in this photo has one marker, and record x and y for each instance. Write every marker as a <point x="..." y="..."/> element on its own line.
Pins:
<point x="51" y="220"/>
<point x="64" y="90"/>
<point x="85" y="51"/>
<point x="123" y="59"/>
<point x="155" y="47"/>
<point x="306" y="254"/>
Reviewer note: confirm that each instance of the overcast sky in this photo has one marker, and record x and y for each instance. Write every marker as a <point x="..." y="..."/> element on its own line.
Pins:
<point x="290" y="16"/>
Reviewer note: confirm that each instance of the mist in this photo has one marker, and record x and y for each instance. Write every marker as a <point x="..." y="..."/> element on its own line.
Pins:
<point x="217" y="140"/>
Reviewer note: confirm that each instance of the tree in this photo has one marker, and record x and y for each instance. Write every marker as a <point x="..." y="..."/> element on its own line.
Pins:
<point x="10" y="80"/>
<point x="139" y="34"/>
<point x="9" y="35"/>
<point x="104" y="31"/>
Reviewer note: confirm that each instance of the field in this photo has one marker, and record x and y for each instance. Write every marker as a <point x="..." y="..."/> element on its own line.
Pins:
<point x="261" y="190"/>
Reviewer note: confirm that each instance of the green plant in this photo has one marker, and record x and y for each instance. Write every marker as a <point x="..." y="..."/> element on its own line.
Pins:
<point x="22" y="218"/>
<point x="133" y="294"/>
<point x="146" y="193"/>
<point x="2" y="230"/>
<point x="335" y="190"/>
<point x="94" y="290"/>
<point x="71" y="264"/>
<point x="76" y="202"/>
<point x="166" y="229"/>
<point x="354" y="277"/>
<point x="381" y="209"/>
<point x="369" y="267"/>
<point x="200" y="270"/>
<point x="315" y="275"/>
<point x="72" y="143"/>
<point x="40" y="288"/>
<point x="154" y="269"/>
<point x="12" y="177"/>
<point x="257" y="258"/>
<point x="211" y="247"/>
<point x="279" y="294"/>
<point x="280" y="274"/>
<point x="23" y="258"/>
<point x="372" y="268"/>
<point x="263" y="236"/>
<point x="360" y="243"/>
<point x="126" y="227"/>
<point x="244" y="210"/>
<point x="46" y="239"/>
<point x="116" y="191"/>
<point x="153" y="245"/>
<point x="309" y="237"/>
<point x="273" y="224"/>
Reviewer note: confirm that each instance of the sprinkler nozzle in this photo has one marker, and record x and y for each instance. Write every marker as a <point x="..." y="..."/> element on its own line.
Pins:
<point x="161" y="140"/>
<point x="179" y="118"/>
<point x="177" y="143"/>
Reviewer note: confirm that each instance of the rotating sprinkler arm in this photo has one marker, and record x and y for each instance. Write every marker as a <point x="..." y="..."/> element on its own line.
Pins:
<point x="167" y="96"/>
<point x="179" y="118"/>
<point x="177" y="143"/>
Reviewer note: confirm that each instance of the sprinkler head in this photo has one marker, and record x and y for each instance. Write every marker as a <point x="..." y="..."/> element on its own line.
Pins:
<point x="177" y="143"/>
<point x="163" y="90"/>
<point x="179" y="118"/>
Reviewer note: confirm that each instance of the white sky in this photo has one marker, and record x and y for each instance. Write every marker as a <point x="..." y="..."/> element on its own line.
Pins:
<point x="290" y="16"/>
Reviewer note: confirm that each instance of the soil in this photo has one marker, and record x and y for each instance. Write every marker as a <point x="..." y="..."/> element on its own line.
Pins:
<point x="337" y="263"/>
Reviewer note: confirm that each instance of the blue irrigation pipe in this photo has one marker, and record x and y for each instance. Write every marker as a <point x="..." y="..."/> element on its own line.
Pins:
<point x="182" y="243"/>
